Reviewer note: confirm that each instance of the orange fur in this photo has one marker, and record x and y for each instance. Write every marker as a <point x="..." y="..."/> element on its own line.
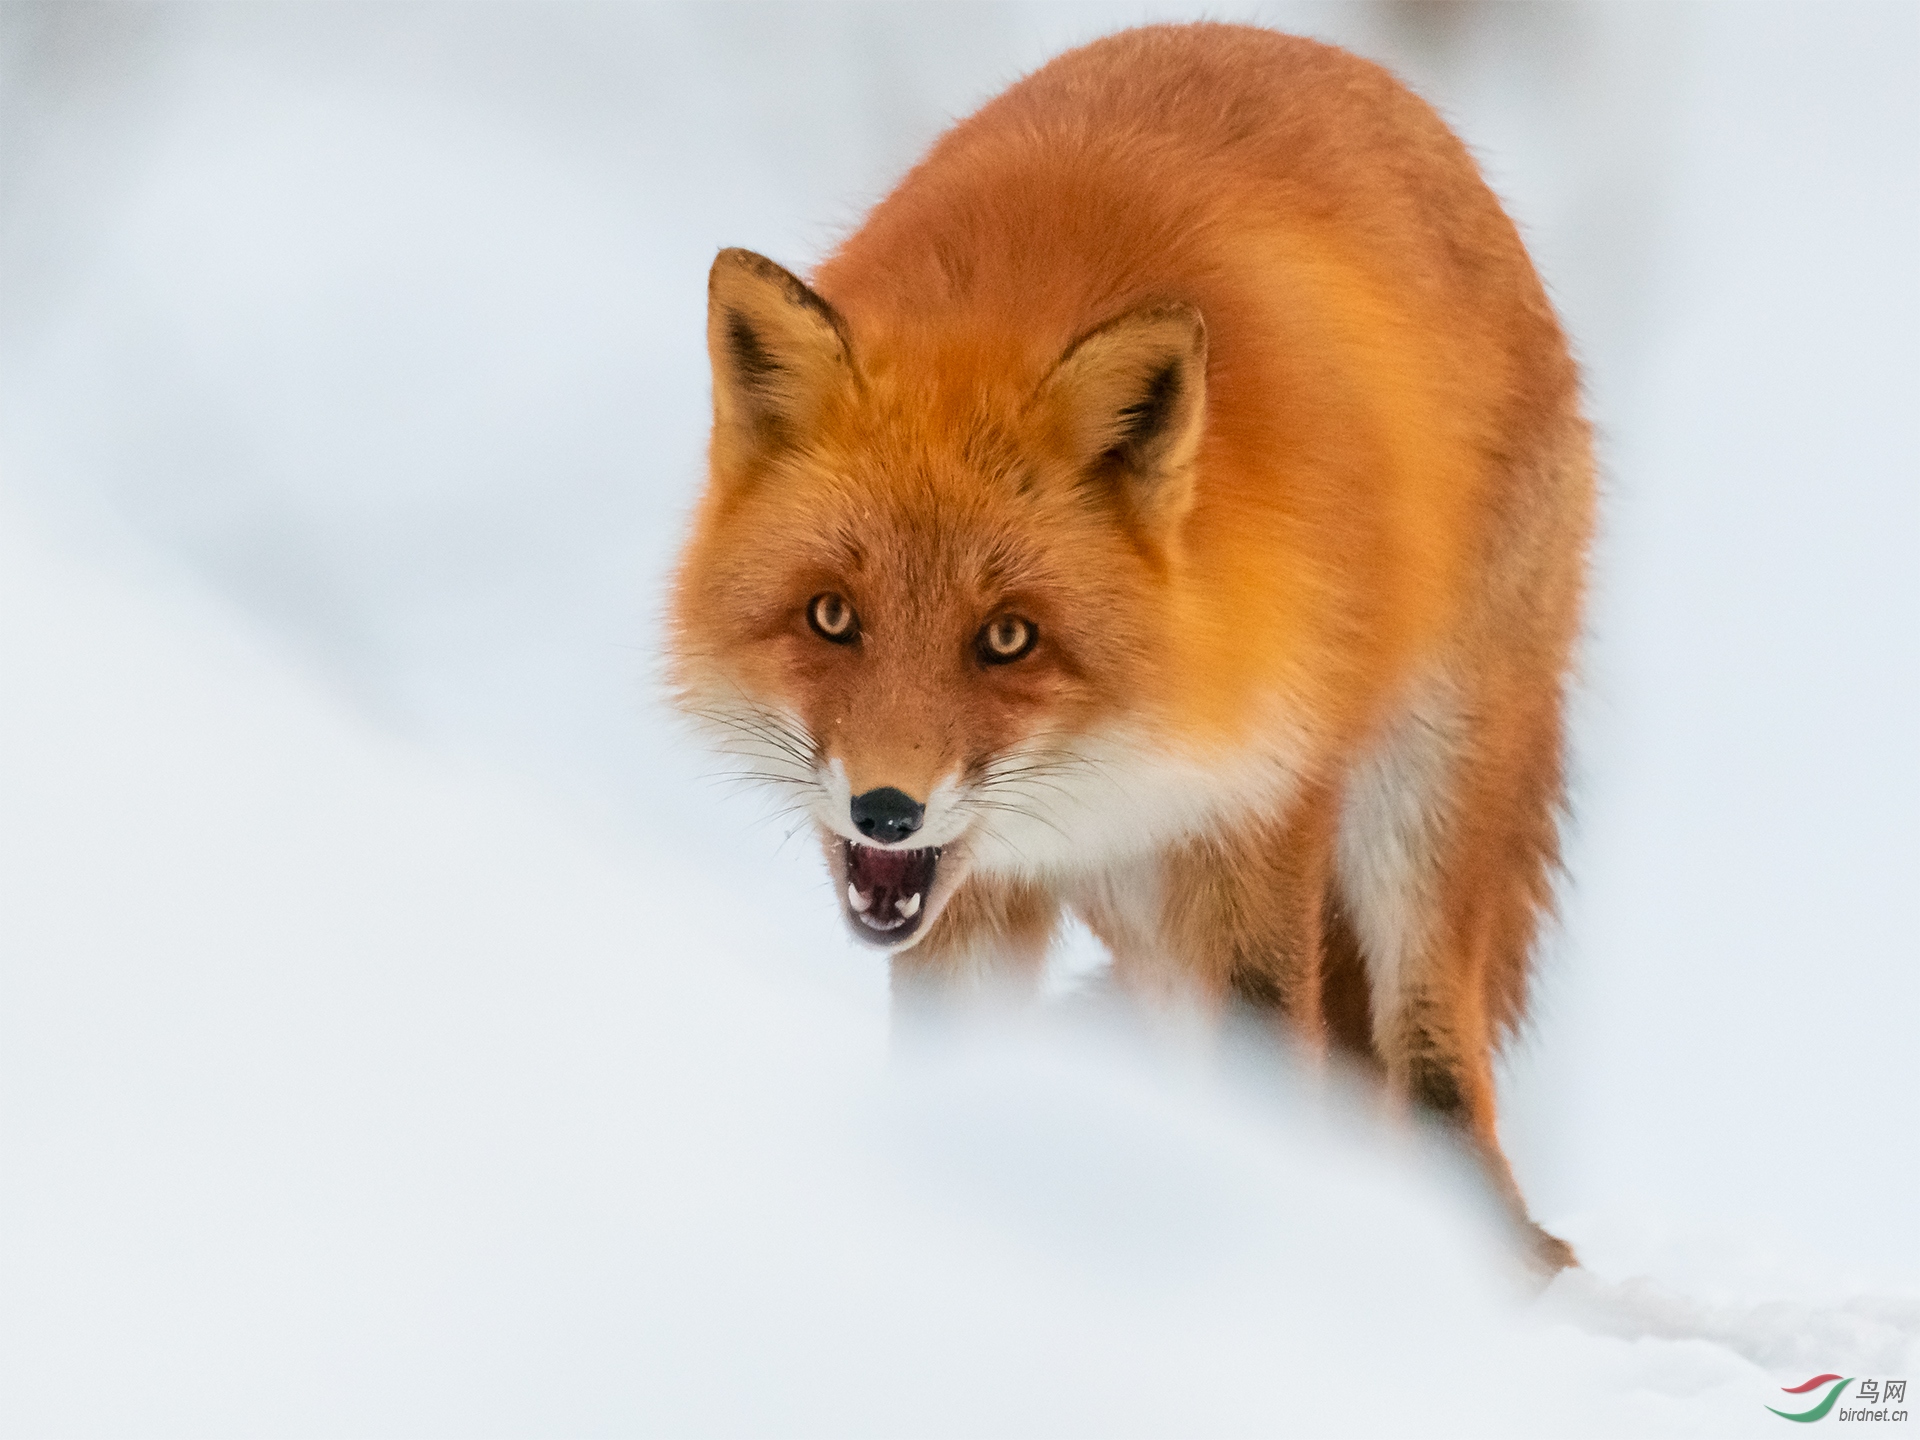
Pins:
<point x="1205" y="352"/>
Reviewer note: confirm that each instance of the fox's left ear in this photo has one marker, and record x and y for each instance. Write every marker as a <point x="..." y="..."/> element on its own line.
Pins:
<point x="1128" y="402"/>
<point x="778" y="352"/>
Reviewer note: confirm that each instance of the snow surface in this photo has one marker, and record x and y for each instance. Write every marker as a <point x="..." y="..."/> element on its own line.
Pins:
<point x="397" y="1037"/>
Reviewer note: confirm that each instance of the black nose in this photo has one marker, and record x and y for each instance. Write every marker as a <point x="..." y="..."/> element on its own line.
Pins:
<point x="887" y="815"/>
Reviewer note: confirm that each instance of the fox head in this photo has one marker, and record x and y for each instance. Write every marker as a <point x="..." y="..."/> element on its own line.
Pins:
<point x="929" y="586"/>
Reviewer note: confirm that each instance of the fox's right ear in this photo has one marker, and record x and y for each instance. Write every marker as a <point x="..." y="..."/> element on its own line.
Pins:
<point x="1127" y="405"/>
<point x="778" y="352"/>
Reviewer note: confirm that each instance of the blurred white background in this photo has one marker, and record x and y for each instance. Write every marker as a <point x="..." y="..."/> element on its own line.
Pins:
<point x="370" y="946"/>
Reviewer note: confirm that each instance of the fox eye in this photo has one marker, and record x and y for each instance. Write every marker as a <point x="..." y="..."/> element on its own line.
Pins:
<point x="832" y="618"/>
<point x="1006" y="639"/>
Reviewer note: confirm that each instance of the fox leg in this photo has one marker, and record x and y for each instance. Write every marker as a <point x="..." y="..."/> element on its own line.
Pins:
<point x="1345" y="997"/>
<point x="1437" y="1053"/>
<point x="1240" y="919"/>
<point x="1447" y="843"/>
<point x="988" y="946"/>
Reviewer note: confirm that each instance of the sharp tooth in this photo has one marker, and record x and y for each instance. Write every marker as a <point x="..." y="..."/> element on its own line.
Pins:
<point x="858" y="901"/>
<point x="908" y="907"/>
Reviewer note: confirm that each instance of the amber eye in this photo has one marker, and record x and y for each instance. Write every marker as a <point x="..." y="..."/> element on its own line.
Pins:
<point x="1005" y="639"/>
<point x="832" y="618"/>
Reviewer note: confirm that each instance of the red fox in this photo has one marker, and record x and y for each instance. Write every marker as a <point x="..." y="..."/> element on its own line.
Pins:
<point x="1170" y="505"/>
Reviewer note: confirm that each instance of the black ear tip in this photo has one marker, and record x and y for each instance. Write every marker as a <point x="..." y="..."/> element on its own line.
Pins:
<point x="734" y="260"/>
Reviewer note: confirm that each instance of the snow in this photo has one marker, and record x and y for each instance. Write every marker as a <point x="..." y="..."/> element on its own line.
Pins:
<point x="397" y="1037"/>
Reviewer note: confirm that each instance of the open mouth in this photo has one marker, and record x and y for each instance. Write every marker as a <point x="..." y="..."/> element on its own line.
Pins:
<point x="887" y="890"/>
